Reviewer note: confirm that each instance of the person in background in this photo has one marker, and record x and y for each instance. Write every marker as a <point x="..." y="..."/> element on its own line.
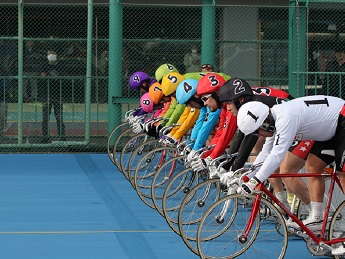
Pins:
<point x="51" y="94"/>
<point x="31" y="68"/>
<point x="191" y="60"/>
<point x="207" y="68"/>
<point x="335" y="84"/>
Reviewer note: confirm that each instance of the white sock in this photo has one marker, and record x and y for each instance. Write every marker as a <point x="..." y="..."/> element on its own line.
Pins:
<point x="316" y="210"/>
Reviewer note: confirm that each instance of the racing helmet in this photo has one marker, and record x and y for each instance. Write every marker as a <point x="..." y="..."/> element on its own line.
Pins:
<point x="163" y="70"/>
<point x="146" y="103"/>
<point x="170" y="82"/>
<point x="251" y="117"/>
<point x="137" y="79"/>
<point x="156" y="93"/>
<point x="234" y="89"/>
<point x="209" y="83"/>
<point x="185" y="90"/>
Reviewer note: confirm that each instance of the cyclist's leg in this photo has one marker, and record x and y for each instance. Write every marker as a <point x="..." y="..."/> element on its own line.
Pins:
<point x="292" y="164"/>
<point x="316" y="162"/>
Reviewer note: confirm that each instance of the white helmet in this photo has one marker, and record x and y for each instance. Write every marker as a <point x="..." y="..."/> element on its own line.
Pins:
<point x="251" y="116"/>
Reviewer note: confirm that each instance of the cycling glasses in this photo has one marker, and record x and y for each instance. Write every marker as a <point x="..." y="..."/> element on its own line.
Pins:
<point x="207" y="66"/>
<point x="268" y="127"/>
<point x="204" y="98"/>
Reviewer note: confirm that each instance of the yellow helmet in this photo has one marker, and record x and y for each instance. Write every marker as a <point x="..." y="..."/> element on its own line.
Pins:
<point x="170" y="82"/>
<point x="163" y="70"/>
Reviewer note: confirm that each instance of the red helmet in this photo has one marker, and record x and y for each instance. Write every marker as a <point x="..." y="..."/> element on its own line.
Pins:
<point x="209" y="83"/>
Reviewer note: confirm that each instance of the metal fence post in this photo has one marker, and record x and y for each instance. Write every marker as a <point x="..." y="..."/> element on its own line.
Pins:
<point x="115" y="63"/>
<point x="208" y="32"/>
<point x="20" y="71"/>
<point x="88" y="72"/>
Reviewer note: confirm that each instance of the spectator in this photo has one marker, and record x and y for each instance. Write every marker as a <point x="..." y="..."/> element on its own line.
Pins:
<point x="31" y="68"/>
<point x="192" y="60"/>
<point x="51" y="94"/>
<point x="206" y="68"/>
<point x="335" y="84"/>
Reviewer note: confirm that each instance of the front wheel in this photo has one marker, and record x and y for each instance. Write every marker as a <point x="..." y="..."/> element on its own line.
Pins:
<point x="221" y="232"/>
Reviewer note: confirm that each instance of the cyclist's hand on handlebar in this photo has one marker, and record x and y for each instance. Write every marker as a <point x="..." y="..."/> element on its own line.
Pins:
<point x="190" y="157"/>
<point x="249" y="187"/>
<point x="169" y="140"/>
<point x="201" y="163"/>
<point x="216" y="172"/>
<point x="138" y="127"/>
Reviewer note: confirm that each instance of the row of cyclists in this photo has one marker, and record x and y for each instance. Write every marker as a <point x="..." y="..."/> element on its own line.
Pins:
<point x="287" y="133"/>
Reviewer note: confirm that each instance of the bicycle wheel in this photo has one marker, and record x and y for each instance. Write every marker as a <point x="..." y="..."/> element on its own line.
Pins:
<point x="221" y="230"/>
<point x="193" y="207"/>
<point x="162" y="178"/>
<point x="118" y="146"/>
<point x="337" y="226"/>
<point x="137" y="154"/>
<point x="114" y="134"/>
<point x="177" y="188"/>
<point x="128" y="148"/>
<point x="146" y="169"/>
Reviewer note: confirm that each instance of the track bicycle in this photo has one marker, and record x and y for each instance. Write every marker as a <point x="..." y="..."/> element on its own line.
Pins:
<point x="257" y="235"/>
<point x="116" y="132"/>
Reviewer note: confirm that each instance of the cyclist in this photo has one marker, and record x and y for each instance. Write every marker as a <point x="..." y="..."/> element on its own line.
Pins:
<point x="208" y="88"/>
<point x="139" y="81"/>
<point x="235" y="93"/>
<point x="206" y="121"/>
<point x="150" y="102"/>
<point x="185" y="94"/>
<point x="169" y="84"/>
<point x="164" y="69"/>
<point x="321" y="118"/>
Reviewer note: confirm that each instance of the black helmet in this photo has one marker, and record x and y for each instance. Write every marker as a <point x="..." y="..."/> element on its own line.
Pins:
<point x="234" y="89"/>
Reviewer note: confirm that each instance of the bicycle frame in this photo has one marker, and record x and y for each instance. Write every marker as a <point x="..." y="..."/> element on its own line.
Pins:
<point x="320" y="240"/>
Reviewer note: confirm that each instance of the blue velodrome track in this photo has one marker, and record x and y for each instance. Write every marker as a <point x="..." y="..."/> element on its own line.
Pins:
<point x="81" y="206"/>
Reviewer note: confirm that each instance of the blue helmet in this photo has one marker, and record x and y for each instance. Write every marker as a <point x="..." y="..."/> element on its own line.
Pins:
<point x="185" y="90"/>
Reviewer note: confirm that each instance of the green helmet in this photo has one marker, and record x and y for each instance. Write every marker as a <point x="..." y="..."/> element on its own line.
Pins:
<point x="163" y="70"/>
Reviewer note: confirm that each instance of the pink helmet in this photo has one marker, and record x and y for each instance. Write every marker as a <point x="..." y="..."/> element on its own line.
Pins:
<point x="146" y="103"/>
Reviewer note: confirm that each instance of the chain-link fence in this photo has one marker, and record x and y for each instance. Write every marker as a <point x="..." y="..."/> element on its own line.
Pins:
<point x="52" y="110"/>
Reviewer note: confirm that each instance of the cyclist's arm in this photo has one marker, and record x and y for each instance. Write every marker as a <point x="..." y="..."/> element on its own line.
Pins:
<point x="244" y="151"/>
<point x="188" y="123"/>
<point x="221" y="143"/>
<point x="176" y="114"/>
<point x="210" y="121"/>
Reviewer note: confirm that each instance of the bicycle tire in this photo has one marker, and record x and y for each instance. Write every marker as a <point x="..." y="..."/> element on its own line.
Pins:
<point x="118" y="145"/>
<point x="193" y="207"/>
<point x="162" y="178"/>
<point x="176" y="190"/>
<point x="128" y="148"/>
<point x="226" y="245"/>
<point x="114" y="134"/>
<point x="146" y="169"/>
<point x="337" y="227"/>
<point x="137" y="154"/>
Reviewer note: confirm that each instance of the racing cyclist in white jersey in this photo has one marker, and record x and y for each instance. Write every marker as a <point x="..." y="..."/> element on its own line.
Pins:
<point x="321" y="118"/>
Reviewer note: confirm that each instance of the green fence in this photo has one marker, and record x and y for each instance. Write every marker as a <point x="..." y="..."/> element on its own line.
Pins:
<point x="98" y="46"/>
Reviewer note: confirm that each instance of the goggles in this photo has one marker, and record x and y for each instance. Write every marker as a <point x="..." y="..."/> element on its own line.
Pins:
<point x="268" y="127"/>
<point x="207" y="66"/>
<point x="204" y="98"/>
